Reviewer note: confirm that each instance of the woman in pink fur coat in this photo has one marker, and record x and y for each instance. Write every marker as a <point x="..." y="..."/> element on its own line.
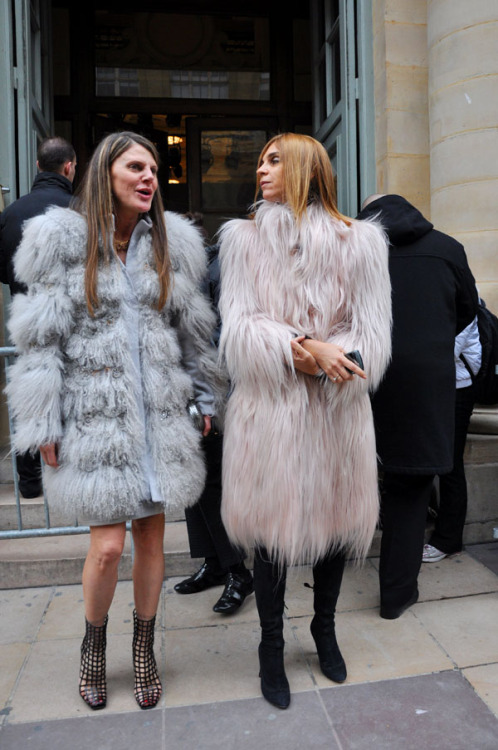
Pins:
<point x="302" y="285"/>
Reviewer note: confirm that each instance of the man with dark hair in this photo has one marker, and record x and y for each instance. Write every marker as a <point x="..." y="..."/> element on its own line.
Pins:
<point x="53" y="154"/>
<point x="52" y="186"/>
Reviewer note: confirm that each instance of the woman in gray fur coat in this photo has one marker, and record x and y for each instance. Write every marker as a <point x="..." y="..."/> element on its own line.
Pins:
<point x="113" y="338"/>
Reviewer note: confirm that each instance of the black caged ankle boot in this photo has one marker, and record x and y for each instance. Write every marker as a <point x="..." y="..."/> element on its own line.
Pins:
<point x="93" y="688"/>
<point x="148" y="688"/>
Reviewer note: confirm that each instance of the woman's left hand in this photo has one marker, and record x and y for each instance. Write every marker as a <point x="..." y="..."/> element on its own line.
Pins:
<point x="333" y="361"/>
<point x="207" y="425"/>
<point x="303" y="360"/>
<point x="49" y="453"/>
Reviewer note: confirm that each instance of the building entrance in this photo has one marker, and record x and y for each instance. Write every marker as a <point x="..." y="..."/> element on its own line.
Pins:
<point x="208" y="86"/>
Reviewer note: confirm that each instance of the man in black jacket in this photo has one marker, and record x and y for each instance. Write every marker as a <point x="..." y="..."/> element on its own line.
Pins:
<point x="52" y="186"/>
<point x="434" y="297"/>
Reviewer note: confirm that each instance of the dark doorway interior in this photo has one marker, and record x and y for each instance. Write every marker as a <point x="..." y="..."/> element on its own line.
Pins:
<point x="208" y="82"/>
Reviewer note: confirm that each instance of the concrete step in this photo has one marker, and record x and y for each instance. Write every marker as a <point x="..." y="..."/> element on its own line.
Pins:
<point x="58" y="560"/>
<point x="32" y="512"/>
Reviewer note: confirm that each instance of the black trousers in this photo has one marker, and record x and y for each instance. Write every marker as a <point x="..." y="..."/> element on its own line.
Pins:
<point x="29" y="474"/>
<point x="404" y="504"/>
<point x="206" y="533"/>
<point x="448" y="530"/>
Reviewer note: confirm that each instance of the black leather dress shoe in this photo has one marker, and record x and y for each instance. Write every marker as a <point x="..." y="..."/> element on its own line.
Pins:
<point x="204" y="579"/>
<point x="237" y="588"/>
<point x="392" y="613"/>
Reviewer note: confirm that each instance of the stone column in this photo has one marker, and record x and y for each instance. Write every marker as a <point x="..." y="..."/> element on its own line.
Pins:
<point x="463" y="120"/>
<point x="400" y="89"/>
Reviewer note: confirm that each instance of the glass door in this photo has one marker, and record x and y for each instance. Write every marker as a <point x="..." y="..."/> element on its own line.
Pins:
<point x="221" y="162"/>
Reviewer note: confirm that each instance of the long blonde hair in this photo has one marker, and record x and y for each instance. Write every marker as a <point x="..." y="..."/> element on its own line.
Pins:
<point x="307" y="174"/>
<point x="94" y="200"/>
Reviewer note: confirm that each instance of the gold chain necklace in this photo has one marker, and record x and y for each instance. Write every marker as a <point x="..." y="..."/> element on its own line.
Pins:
<point x="121" y="246"/>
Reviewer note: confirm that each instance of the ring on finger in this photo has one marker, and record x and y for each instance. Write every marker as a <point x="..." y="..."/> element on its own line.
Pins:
<point x="334" y="379"/>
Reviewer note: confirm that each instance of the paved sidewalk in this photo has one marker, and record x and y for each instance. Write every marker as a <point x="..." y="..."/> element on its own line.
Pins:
<point x="429" y="679"/>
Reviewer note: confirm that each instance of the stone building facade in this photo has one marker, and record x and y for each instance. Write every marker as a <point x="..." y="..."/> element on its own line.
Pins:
<point x="436" y="119"/>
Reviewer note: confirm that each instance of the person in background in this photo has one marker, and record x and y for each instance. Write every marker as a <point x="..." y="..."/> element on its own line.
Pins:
<point x="113" y="340"/>
<point x="302" y="286"/>
<point x="447" y="535"/>
<point x="52" y="186"/>
<point x="223" y="563"/>
<point x="434" y="297"/>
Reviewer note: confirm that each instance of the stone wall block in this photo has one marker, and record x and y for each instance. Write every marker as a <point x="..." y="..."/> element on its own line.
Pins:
<point x="470" y="105"/>
<point x="483" y="500"/>
<point x="468" y="53"/>
<point x="482" y="252"/>
<point x="464" y="158"/>
<point x="407" y="88"/>
<point x="481" y="449"/>
<point x="446" y="16"/>
<point x="406" y="11"/>
<point x="407" y="133"/>
<point x="406" y="44"/>
<point x="408" y="176"/>
<point x="458" y="208"/>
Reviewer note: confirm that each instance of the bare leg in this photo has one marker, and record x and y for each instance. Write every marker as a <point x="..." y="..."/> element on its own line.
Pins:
<point x="100" y="573"/>
<point x="148" y="564"/>
<point x="148" y="575"/>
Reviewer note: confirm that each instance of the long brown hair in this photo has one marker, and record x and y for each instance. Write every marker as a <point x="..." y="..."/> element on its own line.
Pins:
<point x="307" y="174"/>
<point x="94" y="200"/>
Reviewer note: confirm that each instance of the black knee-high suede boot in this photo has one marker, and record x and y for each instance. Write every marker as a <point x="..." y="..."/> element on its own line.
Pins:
<point x="327" y="578"/>
<point x="269" y="588"/>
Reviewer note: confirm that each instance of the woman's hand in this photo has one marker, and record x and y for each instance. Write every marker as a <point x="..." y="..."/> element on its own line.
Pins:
<point x="207" y="425"/>
<point x="49" y="454"/>
<point x="303" y="360"/>
<point x="333" y="361"/>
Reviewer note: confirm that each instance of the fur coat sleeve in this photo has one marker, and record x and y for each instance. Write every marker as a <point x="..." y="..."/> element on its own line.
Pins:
<point x="252" y="341"/>
<point x="39" y="321"/>
<point x="328" y="281"/>
<point x="193" y="312"/>
<point x="366" y="314"/>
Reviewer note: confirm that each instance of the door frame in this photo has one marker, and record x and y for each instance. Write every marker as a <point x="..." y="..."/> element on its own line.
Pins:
<point x="346" y="127"/>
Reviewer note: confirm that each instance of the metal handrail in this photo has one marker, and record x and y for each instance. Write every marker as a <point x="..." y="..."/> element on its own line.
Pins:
<point x="8" y="352"/>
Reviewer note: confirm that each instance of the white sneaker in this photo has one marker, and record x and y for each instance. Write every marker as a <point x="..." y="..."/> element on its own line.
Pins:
<point x="431" y="554"/>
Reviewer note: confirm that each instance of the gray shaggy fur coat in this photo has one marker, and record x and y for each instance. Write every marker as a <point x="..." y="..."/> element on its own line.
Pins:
<point x="73" y="382"/>
<point x="299" y="466"/>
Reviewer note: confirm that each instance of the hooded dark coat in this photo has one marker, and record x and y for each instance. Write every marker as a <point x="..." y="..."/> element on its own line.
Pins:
<point x="48" y="189"/>
<point x="434" y="297"/>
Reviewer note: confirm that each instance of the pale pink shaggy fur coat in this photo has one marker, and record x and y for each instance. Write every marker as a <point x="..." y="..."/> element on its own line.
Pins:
<point x="299" y="466"/>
